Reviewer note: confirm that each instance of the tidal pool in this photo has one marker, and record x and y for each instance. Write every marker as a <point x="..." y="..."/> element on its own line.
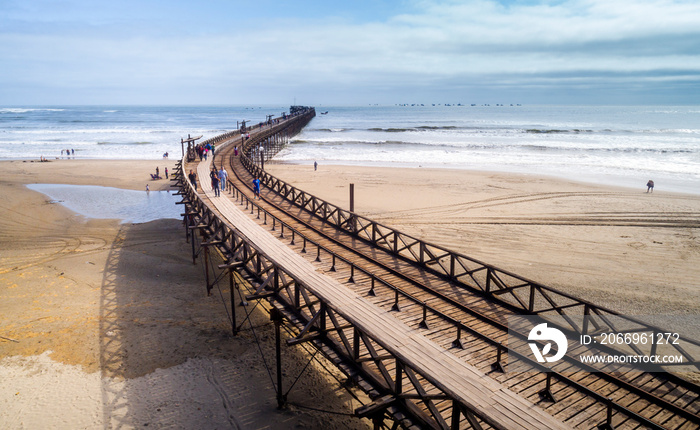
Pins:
<point x="114" y="203"/>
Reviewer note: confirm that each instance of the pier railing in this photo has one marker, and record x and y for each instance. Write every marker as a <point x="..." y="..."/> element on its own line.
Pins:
<point x="523" y="295"/>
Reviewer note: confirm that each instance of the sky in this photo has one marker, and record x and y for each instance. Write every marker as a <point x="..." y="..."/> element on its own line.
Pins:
<point x="354" y="52"/>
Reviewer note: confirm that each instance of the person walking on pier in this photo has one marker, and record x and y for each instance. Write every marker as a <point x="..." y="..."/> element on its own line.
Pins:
<point x="223" y="178"/>
<point x="256" y="187"/>
<point x="215" y="182"/>
<point x="193" y="178"/>
<point x="214" y="175"/>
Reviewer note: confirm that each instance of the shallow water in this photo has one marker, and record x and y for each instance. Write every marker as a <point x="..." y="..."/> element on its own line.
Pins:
<point x="112" y="203"/>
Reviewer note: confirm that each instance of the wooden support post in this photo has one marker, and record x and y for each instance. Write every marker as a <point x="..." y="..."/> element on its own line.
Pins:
<point x="276" y="317"/>
<point x="186" y="221"/>
<point x="352" y="197"/>
<point x="456" y="415"/>
<point x="194" y="252"/>
<point x="206" y="269"/>
<point x="398" y="378"/>
<point x="232" y="284"/>
<point x="355" y="343"/>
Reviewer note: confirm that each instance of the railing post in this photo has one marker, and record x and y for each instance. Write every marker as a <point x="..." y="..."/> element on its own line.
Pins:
<point x="371" y="290"/>
<point x="608" y="425"/>
<point x="424" y="321"/>
<point x="547" y="393"/>
<point x="396" y="307"/>
<point x="498" y="365"/>
<point x="457" y="343"/>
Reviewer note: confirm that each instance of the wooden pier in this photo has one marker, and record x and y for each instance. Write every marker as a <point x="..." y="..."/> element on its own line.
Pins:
<point x="420" y="329"/>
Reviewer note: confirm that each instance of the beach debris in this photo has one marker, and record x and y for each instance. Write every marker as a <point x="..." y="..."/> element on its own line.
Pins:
<point x="9" y="338"/>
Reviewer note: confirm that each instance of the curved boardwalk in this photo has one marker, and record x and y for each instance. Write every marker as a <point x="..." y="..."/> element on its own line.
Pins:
<point x="427" y="349"/>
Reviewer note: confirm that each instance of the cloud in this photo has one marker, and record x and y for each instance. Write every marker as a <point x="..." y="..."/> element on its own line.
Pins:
<point x="428" y="45"/>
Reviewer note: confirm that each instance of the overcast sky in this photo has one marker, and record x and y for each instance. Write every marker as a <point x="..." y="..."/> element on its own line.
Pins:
<point x="349" y="52"/>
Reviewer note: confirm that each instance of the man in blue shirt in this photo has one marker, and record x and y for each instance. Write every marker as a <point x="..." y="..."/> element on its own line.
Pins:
<point x="256" y="187"/>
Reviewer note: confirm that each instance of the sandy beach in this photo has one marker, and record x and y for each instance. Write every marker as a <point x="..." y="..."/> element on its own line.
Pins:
<point x="108" y="325"/>
<point x="105" y="324"/>
<point x="625" y="249"/>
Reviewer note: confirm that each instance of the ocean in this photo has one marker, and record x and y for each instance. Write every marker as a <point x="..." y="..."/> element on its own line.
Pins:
<point x="115" y="132"/>
<point x="614" y="145"/>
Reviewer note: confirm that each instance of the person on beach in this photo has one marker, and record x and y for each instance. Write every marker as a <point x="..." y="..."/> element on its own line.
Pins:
<point x="166" y="173"/>
<point x="193" y="178"/>
<point x="147" y="189"/>
<point x="223" y="178"/>
<point x="315" y="166"/>
<point x="650" y="186"/>
<point x="256" y="187"/>
<point x="157" y="173"/>
<point x="235" y="151"/>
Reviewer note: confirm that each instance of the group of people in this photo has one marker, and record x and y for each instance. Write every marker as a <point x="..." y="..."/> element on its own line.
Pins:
<point x="68" y="152"/>
<point x="157" y="174"/>
<point x="204" y="150"/>
<point x="219" y="180"/>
